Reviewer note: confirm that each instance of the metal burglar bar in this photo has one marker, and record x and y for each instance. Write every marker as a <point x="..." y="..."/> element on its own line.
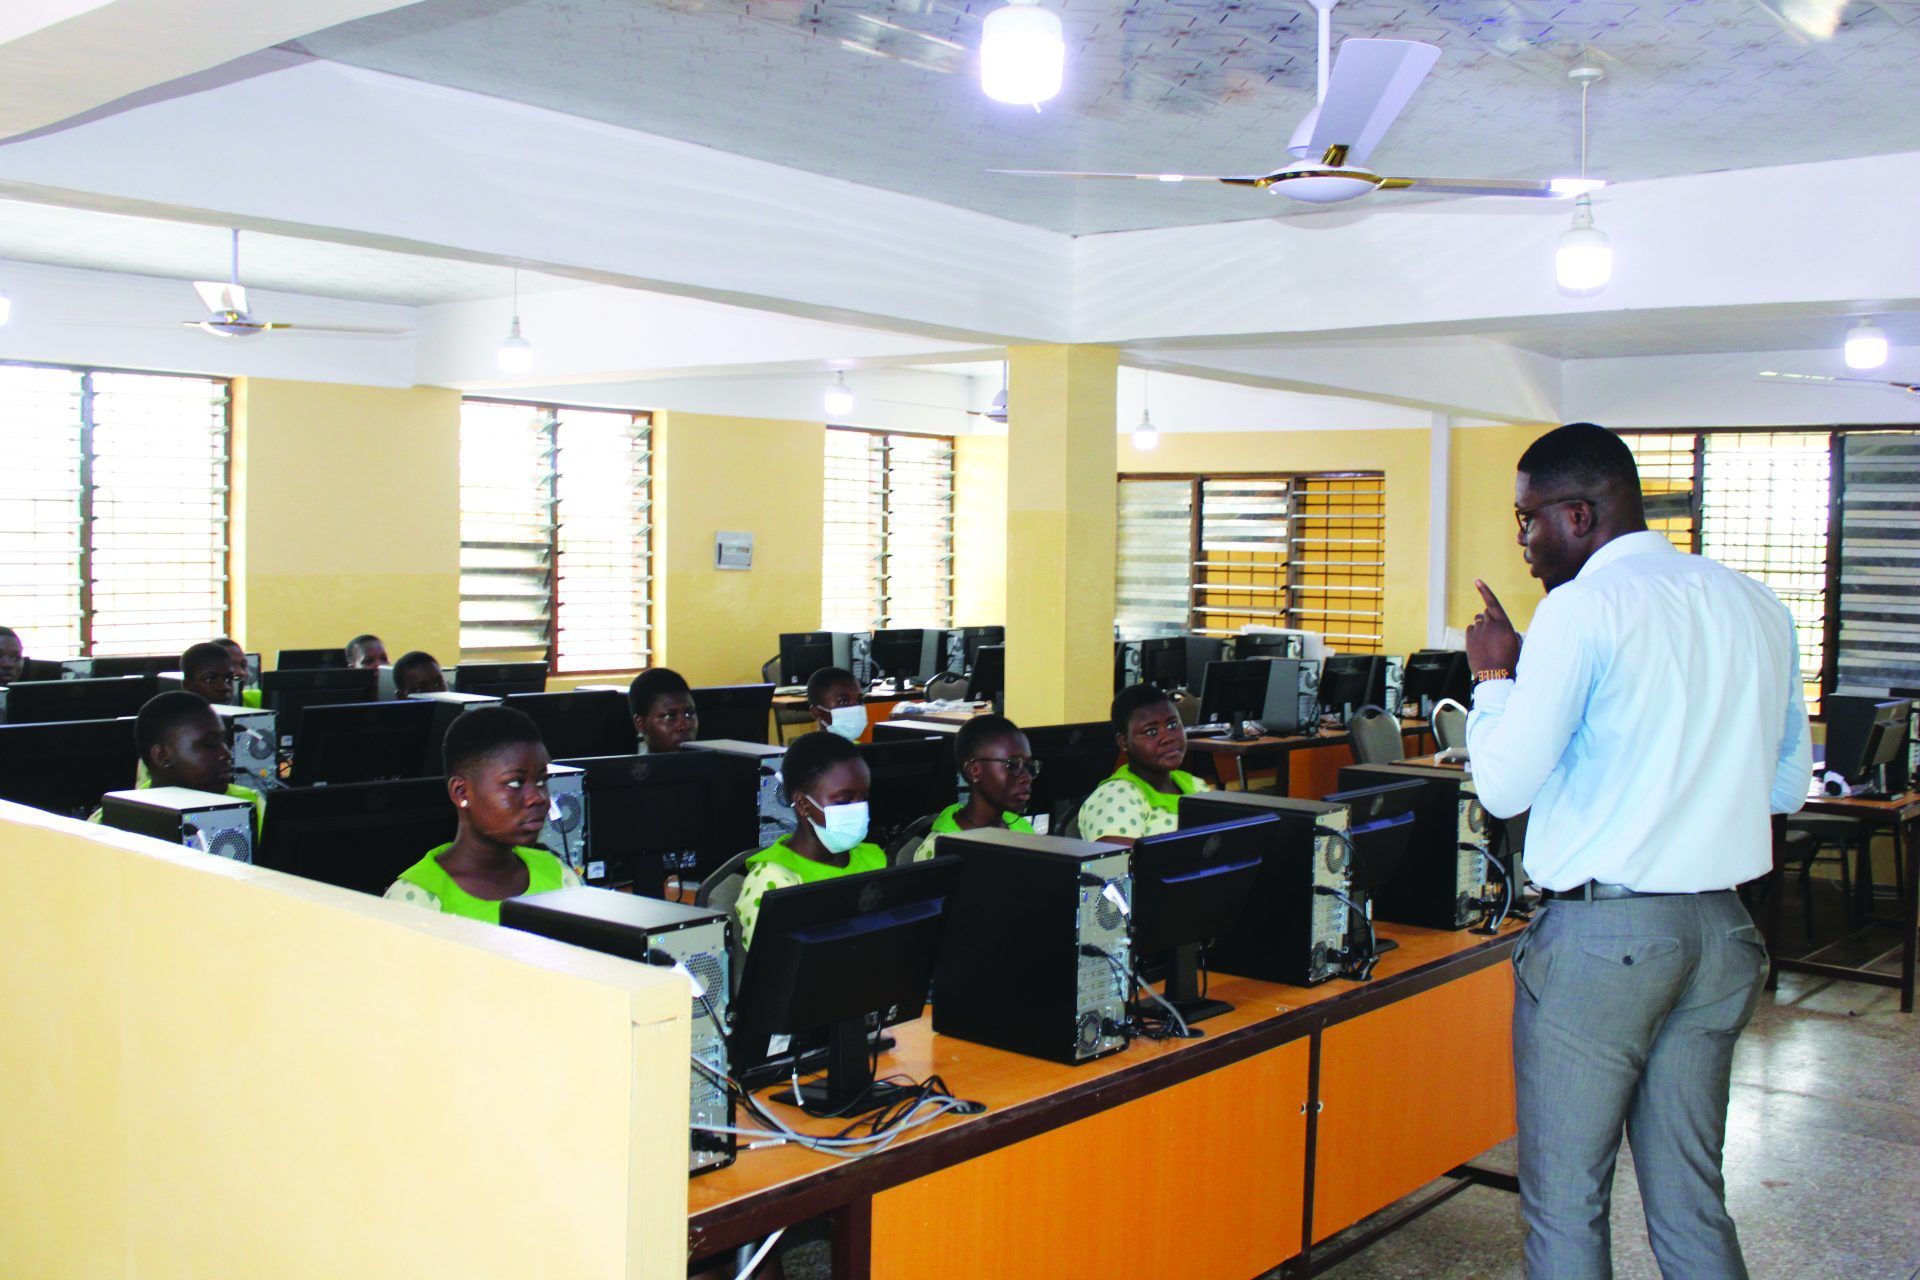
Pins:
<point x="887" y="556"/>
<point x="1338" y="573"/>
<point x="1240" y="573"/>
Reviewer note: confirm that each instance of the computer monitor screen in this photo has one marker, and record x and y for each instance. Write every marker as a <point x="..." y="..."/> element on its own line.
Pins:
<point x="804" y="652"/>
<point x="1350" y="681"/>
<point x="1434" y="675"/>
<point x="1074" y="759"/>
<point x="1235" y="692"/>
<point x="1163" y="662"/>
<point x="363" y="742"/>
<point x="42" y="669"/>
<point x="829" y="956"/>
<point x="580" y="722"/>
<point x="311" y="659"/>
<point x="899" y="655"/>
<point x="358" y="835"/>
<point x="737" y="711"/>
<point x="989" y="673"/>
<point x="144" y="665"/>
<point x="1189" y="887"/>
<point x="1256" y="644"/>
<point x="676" y="813"/>
<point x="289" y="693"/>
<point x="500" y="678"/>
<point x="973" y="639"/>
<point x="104" y="698"/>
<point x="65" y="767"/>
<point x="911" y="779"/>
<point x="1858" y="733"/>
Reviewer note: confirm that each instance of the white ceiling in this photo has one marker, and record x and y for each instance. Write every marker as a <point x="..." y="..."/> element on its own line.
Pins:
<point x="884" y="93"/>
<point x="152" y="247"/>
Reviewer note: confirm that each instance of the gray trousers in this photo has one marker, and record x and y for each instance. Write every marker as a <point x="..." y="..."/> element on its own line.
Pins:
<point x="1625" y="1013"/>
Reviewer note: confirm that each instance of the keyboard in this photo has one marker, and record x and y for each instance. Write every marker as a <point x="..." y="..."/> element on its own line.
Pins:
<point x="789" y="690"/>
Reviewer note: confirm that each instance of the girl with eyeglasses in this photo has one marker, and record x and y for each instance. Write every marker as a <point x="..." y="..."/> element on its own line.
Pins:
<point x="1142" y="798"/>
<point x="999" y="767"/>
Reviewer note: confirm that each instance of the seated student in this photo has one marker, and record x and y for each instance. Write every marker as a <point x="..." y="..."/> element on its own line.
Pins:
<point x="1142" y="798"/>
<point x="417" y="672"/>
<point x="998" y="765"/>
<point x="663" y="712"/>
<point x="826" y="782"/>
<point x="366" y="651"/>
<point x="13" y="656"/>
<point x="242" y="674"/>
<point x="497" y="780"/>
<point x="182" y="743"/>
<point x="833" y="696"/>
<point x="207" y="670"/>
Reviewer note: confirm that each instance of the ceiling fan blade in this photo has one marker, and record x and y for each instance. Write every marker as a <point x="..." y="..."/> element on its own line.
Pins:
<point x="1248" y="180"/>
<point x="1816" y="379"/>
<point x="1545" y="188"/>
<point x="343" y="328"/>
<point x="218" y="295"/>
<point x="1370" y="85"/>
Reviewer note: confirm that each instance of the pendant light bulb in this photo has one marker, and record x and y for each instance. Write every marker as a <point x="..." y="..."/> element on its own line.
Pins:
<point x="1023" y="54"/>
<point x="1583" y="263"/>
<point x="516" y="353"/>
<point x="1145" y="435"/>
<point x="839" y="397"/>
<point x="1866" y="346"/>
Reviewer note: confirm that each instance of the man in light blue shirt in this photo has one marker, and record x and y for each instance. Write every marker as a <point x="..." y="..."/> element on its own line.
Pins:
<point x="1652" y="722"/>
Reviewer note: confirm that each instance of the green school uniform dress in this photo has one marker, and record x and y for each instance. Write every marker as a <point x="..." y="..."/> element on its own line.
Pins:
<point x="427" y="884"/>
<point x="944" y="825"/>
<point x="250" y="698"/>
<point x="1125" y="806"/>
<point x="778" y="867"/>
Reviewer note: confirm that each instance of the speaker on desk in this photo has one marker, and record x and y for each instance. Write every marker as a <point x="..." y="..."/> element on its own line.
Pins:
<point x="1035" y="946"/>
<point x="1289" y="932"/>
<point x="219" y="825"/>
<point x="1443" y="882"/>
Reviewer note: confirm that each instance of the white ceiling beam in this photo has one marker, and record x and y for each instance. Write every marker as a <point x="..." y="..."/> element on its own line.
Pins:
<point x="1727" y="391"/>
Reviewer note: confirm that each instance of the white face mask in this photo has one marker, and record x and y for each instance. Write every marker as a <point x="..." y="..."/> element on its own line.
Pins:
<point x="848" y="722"/>
<point x="842" y="826"/>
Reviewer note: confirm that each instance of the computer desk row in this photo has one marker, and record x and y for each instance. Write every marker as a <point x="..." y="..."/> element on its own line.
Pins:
<point x="1296" y="1115"/>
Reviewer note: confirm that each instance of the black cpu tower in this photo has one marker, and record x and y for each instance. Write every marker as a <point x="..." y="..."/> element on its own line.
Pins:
<point x="1443" y="878"/>
<point x="664" y="933"/>
<point x="1289" y="932"/>
<point x="1035" y="946"/>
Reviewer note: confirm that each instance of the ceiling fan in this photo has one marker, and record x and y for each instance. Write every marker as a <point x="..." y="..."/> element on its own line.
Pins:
<point x="1821" y="379"/>
<point x="231" y="317"/>
<point x="1368" y="88"/>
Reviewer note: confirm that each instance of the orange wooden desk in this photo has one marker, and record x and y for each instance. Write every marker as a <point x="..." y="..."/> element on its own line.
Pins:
<point x="1308" y="767"/>
<point x="1296" y="1115"/>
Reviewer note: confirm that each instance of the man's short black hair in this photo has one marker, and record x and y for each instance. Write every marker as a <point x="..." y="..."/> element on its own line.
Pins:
<point x="361" y="642"/>
<point x="977" y="733"/>
<point x="652" y="685"/>
<point x="8" y="633"/>
<point x="811" y="755"/>
<point x="408" y="661"/>
<point x="204" y="657"/>
<point x="164" y="713"/>
<point x="1581" y="456"/>
<point x="1131" y="699"/>
<point x="228" y="642"/>
<point x="827" y="678"/>
<point x="484" y="730"/>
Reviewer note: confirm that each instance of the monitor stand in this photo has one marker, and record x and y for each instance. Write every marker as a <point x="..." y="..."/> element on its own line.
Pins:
<point x="849" y="1088"/>
<point x="1183" y="991"/>
<point x="1237" y="729"/>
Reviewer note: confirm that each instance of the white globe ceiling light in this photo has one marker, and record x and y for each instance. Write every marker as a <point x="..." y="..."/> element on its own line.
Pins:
<point x="516" y="353"/>
<point x="839" y="399"/>
<point x="1583" y="261"/>
<point x="1023" y="54"/>
<point x="1866" y="346"/>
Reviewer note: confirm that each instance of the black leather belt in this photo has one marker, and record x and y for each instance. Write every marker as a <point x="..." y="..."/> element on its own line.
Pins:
<point x="1594" y="891"/>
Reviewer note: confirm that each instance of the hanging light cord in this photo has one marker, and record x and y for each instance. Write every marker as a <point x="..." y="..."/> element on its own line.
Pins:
<point x="1585" y="85"/>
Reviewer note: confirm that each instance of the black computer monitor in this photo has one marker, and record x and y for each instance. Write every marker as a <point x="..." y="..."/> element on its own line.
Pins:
<point x="580" y="722"/>
<point x="1074" y="759"/>
<point x="358" y="835"/>
<point x="1381" y="824"/>
<point x="42" y="669"/>
<point x="1432" y="676"/>
<point x="1867" y="741"/>
<point x="498" y="679"/>
<point x="1235" y="692"/>
<point x="973" y="639"/>
<point x="102" y="698"/>
<point x="65" y="767"/>
<point x="738" y="711"/>
<point x="363" y="742"/>
<point x="289" y="693"/>
<point x="988" y="681"/>
<point x="804" y="652"/>
<point x="1163" y="663"/>
<point x="1350" y="681"/>
<point x="1260" y="644"/>
<point x="334" y="659"/>
<point x="673" y="813"/>
<point x="899" y="655"/>
<point x="911" y="779"/>
<point x="830" y="956"/>
<point x="143" y="665"/>
<point x="1189" y="887"/>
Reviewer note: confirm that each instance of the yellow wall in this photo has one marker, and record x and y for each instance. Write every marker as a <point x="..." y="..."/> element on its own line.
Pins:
<point x="213" y="1070"/>
<point x="346" y="516"/>
<point x="1400" y="455"/>
<point x="754" y="475"/>
<point x="1480" y="529"/>
<point x="980" y="531"/>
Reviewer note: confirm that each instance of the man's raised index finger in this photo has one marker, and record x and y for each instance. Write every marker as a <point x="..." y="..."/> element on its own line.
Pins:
<point x="1493" y="603"/>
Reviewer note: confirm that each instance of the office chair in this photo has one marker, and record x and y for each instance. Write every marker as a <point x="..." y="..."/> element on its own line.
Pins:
<point x="1807" y="837"/>
<point x="910" y="838"/>
<point x="1449" y="725"/>
<point x="782" y="716"/>
<point x="718" y="892"/>
<point x="948" y="686"/>
<point x="1376" y="737"/>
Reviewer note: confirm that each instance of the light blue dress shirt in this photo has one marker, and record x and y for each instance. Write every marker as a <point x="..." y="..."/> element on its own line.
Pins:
<point x="1655" y="721"/>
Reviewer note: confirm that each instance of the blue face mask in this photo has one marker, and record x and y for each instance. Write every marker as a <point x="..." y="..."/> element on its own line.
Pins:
<point x="842" y="826"/>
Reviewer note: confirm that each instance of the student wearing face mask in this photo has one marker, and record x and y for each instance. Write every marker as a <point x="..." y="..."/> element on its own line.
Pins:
<point x="833" y="696"/>
<point x="826" y="781"/>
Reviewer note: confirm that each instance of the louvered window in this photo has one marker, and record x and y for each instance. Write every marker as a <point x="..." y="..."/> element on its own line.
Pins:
<point x="113" y="510"/>
<point x="1879" y="631"/>
<point x="1154" y="558"/>
<point x="556" y="535"/>
<point x="887" y="556"/>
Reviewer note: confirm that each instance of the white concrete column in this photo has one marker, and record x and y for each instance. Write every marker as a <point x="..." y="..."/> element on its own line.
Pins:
<point x="1439" y="499"/>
